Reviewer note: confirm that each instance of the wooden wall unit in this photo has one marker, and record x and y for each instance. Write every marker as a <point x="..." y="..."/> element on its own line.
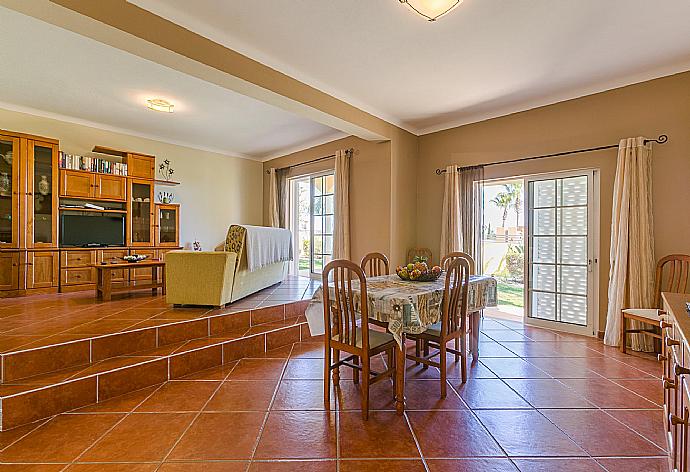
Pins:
<point x="675" y="357"/>
<point x="31" y="185"/>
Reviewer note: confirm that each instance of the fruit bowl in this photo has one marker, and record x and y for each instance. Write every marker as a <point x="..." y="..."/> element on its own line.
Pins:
<point x="418" y="272"/>
<point x="134" y="258"/>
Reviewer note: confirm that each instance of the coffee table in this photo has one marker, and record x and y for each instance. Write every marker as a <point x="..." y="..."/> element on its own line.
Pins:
<point x="104" y="279"/>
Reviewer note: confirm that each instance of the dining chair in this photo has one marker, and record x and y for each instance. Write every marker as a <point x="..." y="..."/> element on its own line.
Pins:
<point x="452" y="325"/>
<point x="421" y="252"/>
<point x="375" y="264"/>
<point x="340" y="305"/>
<point x="671" y="276"/>
<point x="451" y="256"/>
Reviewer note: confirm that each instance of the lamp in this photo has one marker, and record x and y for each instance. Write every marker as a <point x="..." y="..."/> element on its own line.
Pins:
<point x="431" y="9"/>
<point x="158" y="104"/>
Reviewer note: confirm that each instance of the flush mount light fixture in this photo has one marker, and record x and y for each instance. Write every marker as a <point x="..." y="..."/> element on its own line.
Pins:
<point x="432" y="10"/>
<point x="158" y="104"/>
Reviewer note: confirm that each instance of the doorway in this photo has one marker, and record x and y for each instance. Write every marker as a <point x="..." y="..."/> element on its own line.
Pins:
<point x="311" y="221"/>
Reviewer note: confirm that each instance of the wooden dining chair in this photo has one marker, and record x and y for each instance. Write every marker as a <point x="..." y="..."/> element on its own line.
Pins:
<point x="453" y="324"/>
<point x="451" y="256"/>
<point x="375" y="264"/>
<point x="671" y="276"/>
<point x="340" y="305"/>
<point x="423" y="253"/>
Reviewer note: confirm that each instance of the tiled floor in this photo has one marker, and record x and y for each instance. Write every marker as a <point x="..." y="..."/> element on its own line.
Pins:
<point x="537" y="401"/>
<point x="30" y="322"/>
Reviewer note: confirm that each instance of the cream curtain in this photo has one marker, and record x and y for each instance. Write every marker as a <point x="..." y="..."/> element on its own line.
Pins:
<point x="451" y="224"/>
<point x="341" y="230"/>
<point x="631" y="277"/>
<point x="282" y="194"/>
<point x="273" y="199"/>
<point x="472" y="212"/>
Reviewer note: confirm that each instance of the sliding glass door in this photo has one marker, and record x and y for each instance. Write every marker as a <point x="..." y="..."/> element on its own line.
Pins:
<point x="561" y="263"/>
<point x="311" y="222"/>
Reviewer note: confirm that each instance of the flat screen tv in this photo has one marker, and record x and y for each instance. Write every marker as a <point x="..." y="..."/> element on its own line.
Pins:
<point x="96" y="230"/>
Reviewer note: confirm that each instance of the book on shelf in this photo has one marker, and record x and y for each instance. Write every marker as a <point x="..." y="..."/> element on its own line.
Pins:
<point x="91" y="164"/>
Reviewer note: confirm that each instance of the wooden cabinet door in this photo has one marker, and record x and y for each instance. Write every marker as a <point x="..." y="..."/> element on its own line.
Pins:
<point x="41" y="202"/>
<point x="42" y="269"/>
<point x="74" y="183"/>
<point x="167" y="225"/>
<point x="10" y="157"/>
<point x="9" y="271"/>
<point x="111" y="187"/>
<point x="141" y="166"/>
<point x="140" y="218"/>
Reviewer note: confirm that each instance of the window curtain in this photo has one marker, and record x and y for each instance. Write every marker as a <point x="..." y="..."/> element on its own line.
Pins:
<point x="273" y="209"/>
<point x="341" y="212"/>
<point x="282" y="193"/>
<point x="631" y="277"/>
<point x="462" y="218"/>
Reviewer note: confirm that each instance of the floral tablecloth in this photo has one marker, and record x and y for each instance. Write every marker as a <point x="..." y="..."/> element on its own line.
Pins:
<point x="407" y="307"/>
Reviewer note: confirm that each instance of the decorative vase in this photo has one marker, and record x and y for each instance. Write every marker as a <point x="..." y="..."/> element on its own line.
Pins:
<point x="44" y="186"/>
<point x="5" y="183"/>
<point x="8" y="157"/>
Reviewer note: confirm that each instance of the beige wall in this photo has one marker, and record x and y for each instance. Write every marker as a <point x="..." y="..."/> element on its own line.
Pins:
<point x="646" y="109"/>
<point x="215" y="190"/>
<point x="370" y="189"/>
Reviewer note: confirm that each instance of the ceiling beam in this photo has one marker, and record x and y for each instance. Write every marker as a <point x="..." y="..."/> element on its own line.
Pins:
<point x="128" y="27"/>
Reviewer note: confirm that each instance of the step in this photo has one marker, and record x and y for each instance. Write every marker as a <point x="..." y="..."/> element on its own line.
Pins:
<point x="178" y="351"/>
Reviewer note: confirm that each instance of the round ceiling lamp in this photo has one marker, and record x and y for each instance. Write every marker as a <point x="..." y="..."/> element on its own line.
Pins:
<point x="158" y="104"/>
<point x="432" y="10"/>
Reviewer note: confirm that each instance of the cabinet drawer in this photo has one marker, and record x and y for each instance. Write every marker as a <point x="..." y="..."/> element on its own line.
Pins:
<point x="86" y="275"/>
<point x="78" y="258"/>
<point x="115" y="255"/>
<point x="145" y="272"/>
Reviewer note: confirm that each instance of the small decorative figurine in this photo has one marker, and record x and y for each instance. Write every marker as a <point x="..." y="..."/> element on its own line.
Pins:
<point x="165" y="197"/>
<point x="196" y="245"/>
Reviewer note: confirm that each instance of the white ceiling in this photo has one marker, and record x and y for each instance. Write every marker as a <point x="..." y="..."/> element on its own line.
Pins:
<point x="50" y="71"/>
<point x="485" y="59"/>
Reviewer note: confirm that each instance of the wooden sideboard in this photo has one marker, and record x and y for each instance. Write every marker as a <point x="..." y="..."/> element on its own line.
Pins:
<point x="675" y="356"/>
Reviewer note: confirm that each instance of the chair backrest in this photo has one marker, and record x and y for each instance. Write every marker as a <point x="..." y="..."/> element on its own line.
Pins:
<point x="671" y="276"/>
<point x="341" y="303"/>
<point x="451" y="256"/>
<point x="375" y="264"/>
<point x="423" y="252"/>
<point x="454" y="305"/>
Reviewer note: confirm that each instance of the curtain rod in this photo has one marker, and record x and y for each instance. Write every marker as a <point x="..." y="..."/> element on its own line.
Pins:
<point x="660" y="140"/>
<point x="351" y="150"/>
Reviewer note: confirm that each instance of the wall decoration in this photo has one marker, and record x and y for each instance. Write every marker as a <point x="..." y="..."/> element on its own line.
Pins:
<point x="165" y="170"/>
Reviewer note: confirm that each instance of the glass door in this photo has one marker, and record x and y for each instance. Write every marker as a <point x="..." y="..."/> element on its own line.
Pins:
<point x="322" y="219"/>
<point x="42" y="200"/>
<point x="561" y="241"/>
<point x="141" y="201"/>
<point x="9" y="203"/>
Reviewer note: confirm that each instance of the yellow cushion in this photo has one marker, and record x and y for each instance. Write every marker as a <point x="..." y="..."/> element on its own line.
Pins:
<point x="649" y="313"/>
<point x="376" y="338"/>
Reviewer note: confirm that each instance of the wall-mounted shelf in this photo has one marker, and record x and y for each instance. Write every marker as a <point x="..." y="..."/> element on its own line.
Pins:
<point x="166" y="182"/>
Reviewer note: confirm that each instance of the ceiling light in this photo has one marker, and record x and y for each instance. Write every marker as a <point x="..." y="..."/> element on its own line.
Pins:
<point x="158" y="104"/>
<point x="431" y="9"/>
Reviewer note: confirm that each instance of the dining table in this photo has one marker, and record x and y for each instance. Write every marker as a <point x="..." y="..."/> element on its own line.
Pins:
<point x="409" y="307"/>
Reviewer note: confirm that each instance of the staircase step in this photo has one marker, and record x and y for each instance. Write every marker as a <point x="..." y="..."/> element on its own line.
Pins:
<point x="128" y="361"/>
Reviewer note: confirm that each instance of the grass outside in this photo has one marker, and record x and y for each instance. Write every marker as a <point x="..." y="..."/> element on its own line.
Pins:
<point x="510" y="294"/>
<point x="304" y="264"/>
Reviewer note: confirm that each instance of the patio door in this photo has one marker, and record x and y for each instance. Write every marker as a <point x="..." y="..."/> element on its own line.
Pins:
<point x="561" y="263"/>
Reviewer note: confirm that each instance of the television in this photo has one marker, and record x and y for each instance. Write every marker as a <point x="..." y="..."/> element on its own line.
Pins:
<point x="92" y="230"/>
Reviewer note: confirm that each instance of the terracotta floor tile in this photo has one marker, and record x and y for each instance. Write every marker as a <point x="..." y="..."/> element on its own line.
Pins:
<point x="527" y="433"/>
<point x="234" y="466"/>
<point x="220" y="436"/>
<point x="645" y="364"/>
<point x="505" y="335"/>
<point x="32" y="467"/>
<point x="214" y="373"/>
<point x="487" y="350"/>
<point x="561" y="465"/>
<point x="385" y="435"/>
<point x="242" y="395"/>
<point x="290" y="466"/>
<point x="659" y="464"/>
<point x="452" y="434"/>
<point x="257" y="369"/>
<point x="382" y="465"/>
<point x="610" y="368"/>
<point x="514" y="368"/>
<point x="15" y="434"/>
<point x="471" y="465"/>
<point x="489" y="393"/>
<point x="560" y="368"/>
<point x="349" y="396"/>
<point x="61" y="439"/>
<point x="149" y="437"/>
<point x="547" y="393"/>
<point x="301" y="395"/>
<point x="298" y="435"/>
<point x="121" y="404"/>
<point x="603" y="393"/>
<point x="647" y="388"/>
<point x="645" y="422"/>
<point x="128" y="467"/>
<point x="426" y="395"/>
<point x="179" y="396"/>
<point x="308" y="350"/>
<point x="306" y="368"/>
<point x="596" y="433"/>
